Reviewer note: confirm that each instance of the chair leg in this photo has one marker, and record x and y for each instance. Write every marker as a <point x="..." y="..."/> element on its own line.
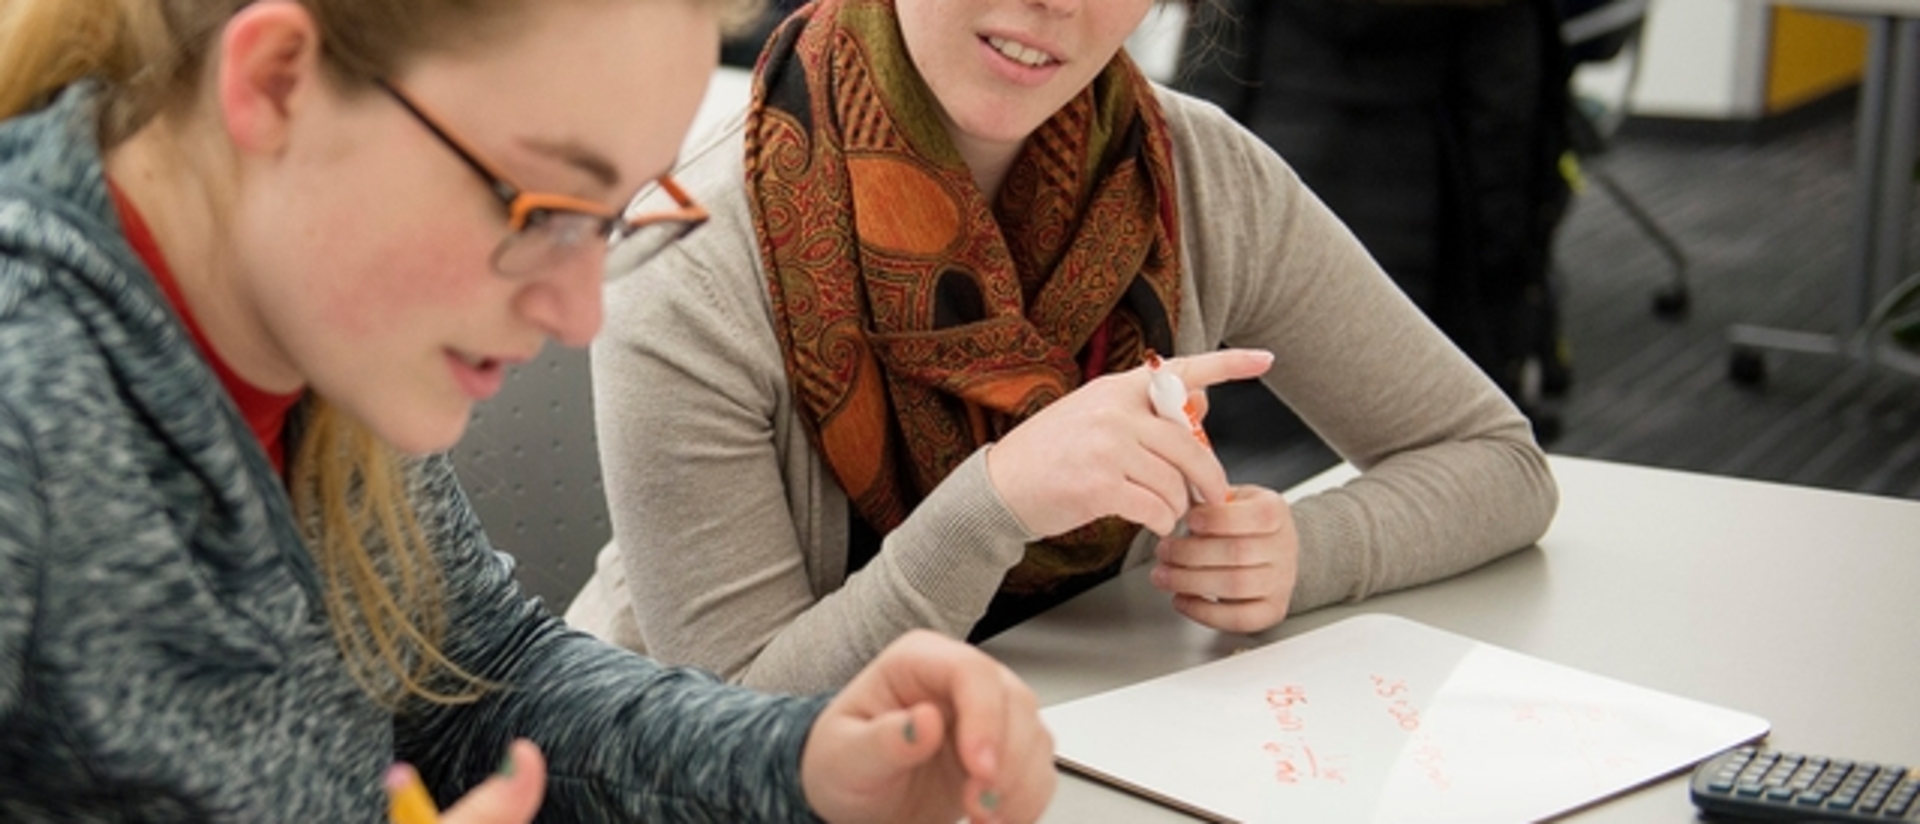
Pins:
<point x="1672" y="301"/>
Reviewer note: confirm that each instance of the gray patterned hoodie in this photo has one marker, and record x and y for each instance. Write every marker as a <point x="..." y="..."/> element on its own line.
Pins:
<point x="164" y="655"/>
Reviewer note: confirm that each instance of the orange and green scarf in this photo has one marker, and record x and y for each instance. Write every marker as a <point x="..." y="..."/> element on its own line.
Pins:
<point x="919" y="321"/>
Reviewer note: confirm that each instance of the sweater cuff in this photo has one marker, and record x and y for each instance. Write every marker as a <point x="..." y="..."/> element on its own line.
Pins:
<point x="813" y="706"/>
<point x="970" y="530"/>
<point x="1332" y="563"/>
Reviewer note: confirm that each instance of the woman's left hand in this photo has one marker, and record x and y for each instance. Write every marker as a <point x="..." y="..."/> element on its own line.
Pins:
<point x="1236" y="568"/>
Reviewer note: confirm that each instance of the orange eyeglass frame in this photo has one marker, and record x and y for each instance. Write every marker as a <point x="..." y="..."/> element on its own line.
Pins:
<point x="522" y="205"/>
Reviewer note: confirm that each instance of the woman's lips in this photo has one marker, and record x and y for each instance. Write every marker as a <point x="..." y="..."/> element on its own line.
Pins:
<point x="478" y="376"/>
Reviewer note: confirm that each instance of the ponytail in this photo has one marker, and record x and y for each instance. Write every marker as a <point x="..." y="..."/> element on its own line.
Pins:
<point x="140" y="51"/>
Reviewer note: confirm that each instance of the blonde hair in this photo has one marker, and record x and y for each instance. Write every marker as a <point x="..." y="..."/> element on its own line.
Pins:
<point x="382" y="583"/>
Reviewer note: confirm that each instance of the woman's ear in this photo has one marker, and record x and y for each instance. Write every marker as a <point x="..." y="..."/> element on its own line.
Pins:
<point x="269" y="61"/>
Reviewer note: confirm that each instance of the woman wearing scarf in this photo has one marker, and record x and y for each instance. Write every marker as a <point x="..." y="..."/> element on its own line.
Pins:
<point x="897" y="380"/>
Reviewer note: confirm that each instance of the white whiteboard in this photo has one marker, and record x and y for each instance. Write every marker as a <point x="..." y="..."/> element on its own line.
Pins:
<point x="1379" y="718"/>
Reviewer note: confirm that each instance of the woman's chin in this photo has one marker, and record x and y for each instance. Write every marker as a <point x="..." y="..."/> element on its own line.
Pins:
<point x="424" y="434"/>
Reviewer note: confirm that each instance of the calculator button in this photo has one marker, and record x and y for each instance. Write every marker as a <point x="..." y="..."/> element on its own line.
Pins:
<point x="1811" y="799"/>
<point x="1841" y="801"/>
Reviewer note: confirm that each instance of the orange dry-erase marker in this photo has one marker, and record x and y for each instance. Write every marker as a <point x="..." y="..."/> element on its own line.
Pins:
<point x="1168" y="394"/>
<point x="1170" y="399"/>
<point x="407" y="799"/>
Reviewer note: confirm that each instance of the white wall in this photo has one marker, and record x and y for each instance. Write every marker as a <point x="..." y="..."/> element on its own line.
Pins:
<point x="1705" y="59"/>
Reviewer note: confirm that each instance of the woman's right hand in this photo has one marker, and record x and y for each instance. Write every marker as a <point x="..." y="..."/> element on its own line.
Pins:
<point x="1102" y="451"/>
<point x="934" y="731"/>
<point x="510" y="796"/>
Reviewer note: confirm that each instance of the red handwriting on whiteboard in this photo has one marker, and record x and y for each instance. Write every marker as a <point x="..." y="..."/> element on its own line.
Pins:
<point x="1394" y="692"/>
<point x="1282" y="702"/>
<point x="1432" y="761"/>
<point x="1583" y="728"/>
<point x="1294" y="760"/>
<point x="1525" y="712"/>
<point x="1428" y="755"/>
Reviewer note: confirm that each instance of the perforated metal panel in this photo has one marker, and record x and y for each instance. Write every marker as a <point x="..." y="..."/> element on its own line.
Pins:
<point x="531" y="465"/>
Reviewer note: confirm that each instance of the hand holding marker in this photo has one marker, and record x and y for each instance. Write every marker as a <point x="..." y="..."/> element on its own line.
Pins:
<point x="1168" y="395"/>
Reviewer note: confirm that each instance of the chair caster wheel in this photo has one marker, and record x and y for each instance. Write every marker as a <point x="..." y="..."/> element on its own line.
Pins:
<point x="1672" y="303"/>
<point x="1747" y="368"/>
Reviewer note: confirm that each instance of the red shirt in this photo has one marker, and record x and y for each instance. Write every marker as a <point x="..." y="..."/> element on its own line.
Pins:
<point x="265" y="412"/>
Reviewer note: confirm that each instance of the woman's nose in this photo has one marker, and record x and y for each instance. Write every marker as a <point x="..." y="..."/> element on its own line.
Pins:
<point x="567" y="302"/>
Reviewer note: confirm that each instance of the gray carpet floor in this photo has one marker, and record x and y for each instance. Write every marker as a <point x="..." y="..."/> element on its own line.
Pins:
<point x="1766" y="225"/>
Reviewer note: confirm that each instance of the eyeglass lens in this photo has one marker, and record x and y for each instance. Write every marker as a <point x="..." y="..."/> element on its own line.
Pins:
<point x="552" y="239"/>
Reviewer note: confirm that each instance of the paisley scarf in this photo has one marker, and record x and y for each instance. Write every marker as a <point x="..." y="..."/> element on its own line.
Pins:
<point x="919" y="321"/>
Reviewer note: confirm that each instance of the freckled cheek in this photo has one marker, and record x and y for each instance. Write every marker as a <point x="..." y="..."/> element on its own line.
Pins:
<point x="398" y="284"/>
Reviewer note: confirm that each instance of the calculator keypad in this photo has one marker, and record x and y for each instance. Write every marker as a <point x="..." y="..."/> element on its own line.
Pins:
<point x="1757" y="783"/>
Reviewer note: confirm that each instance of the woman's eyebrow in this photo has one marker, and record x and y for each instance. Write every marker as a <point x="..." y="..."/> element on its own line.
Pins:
<point x="577" y="156"/>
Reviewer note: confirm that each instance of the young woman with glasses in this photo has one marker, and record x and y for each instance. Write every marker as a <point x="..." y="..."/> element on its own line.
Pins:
<point x="258" y="261"/>
<point x="896" y="381"/>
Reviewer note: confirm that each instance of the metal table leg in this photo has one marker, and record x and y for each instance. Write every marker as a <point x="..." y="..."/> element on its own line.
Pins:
<point x="1884" y="141"/>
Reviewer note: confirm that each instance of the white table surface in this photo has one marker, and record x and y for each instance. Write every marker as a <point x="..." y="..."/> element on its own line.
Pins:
<point x="1791" y="603"/>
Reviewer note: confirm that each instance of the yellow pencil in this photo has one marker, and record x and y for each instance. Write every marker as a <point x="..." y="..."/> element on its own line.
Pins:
<point x="408" y="801"/>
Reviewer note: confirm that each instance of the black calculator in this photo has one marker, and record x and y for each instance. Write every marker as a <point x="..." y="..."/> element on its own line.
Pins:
<point x="1761" y="784"/>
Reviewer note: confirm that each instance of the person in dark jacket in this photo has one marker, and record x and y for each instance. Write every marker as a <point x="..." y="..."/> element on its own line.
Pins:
<point x="1435" y="131"/>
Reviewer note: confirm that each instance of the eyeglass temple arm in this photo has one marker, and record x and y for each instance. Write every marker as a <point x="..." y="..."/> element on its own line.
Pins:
<point x="687" y="211"/>
<point x="496" y="180"/>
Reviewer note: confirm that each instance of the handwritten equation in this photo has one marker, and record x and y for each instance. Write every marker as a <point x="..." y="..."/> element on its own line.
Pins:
<point x="1428" y="755"/>
<point x="1294" y="760"/>
<point x="1582" y="728"/>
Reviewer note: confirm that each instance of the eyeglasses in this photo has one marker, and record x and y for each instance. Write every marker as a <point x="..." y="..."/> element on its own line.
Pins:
<point x="547" y="231"/>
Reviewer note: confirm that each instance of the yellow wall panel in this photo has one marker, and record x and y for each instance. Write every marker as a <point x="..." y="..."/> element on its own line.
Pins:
<point x="1812" y="55"/>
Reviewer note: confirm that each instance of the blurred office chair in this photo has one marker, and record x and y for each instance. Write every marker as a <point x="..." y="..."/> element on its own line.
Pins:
<point x="531" y="466"/>
<point x="1605" y="31"/>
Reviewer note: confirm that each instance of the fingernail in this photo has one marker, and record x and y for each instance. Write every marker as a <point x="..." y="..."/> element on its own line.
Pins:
<point x="506" y="765"/>
<point x="989" y="800"/>
<point x="399" y="776"/>
<point x="910" y="733"/>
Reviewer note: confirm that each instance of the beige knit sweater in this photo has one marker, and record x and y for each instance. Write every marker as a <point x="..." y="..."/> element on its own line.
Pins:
<point x="730" y="535"/>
